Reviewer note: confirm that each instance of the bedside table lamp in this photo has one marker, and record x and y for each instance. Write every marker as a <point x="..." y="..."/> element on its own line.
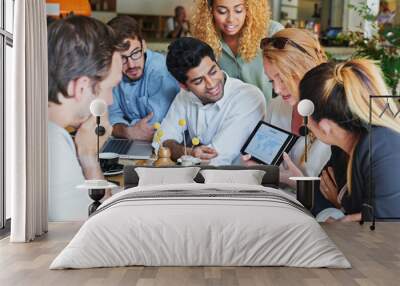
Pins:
<point x="305" y="109"/>
<point x="97" y="190"/>
<point x="98" y="107"/>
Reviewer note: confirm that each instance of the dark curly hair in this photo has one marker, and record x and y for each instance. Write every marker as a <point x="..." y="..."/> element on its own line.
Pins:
<point x="186" y="53"/>
<point x="125" y="27"/>
<point x="78" y="46"/>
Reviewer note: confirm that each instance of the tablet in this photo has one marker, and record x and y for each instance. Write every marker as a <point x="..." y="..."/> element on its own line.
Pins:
<point x="267" y="143"/>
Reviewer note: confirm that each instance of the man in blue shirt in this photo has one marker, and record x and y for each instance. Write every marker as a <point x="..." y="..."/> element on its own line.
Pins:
<point x="147" y="89"/>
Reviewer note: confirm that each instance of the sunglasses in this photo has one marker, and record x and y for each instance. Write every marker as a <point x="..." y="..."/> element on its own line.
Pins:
<point x="280" y="43"/>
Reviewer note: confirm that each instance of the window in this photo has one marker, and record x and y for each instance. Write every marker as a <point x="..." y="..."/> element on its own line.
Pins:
<point x="6" y="65"/>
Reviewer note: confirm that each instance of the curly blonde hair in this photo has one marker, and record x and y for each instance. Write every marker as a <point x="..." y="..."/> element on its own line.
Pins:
<point x="254" y="29"/>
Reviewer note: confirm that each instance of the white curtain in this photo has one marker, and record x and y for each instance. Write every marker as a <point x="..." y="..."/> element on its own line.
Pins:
<point x="26" y="132"/>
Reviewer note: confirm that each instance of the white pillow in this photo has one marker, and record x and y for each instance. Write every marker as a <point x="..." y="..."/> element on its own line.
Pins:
<point x="166" y="176"/>
<point x="248" y="177"/>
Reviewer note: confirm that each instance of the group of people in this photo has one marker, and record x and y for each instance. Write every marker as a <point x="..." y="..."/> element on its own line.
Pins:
<point x="221" y="82"/>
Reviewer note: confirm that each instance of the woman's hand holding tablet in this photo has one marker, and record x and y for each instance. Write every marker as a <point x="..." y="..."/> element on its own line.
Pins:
<point x="267" y="143"/>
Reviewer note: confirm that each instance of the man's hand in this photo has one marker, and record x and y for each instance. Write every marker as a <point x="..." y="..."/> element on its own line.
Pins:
<point x="142" y="130"/>
<point x="86" y="146"/>
<point x="328" y="186"/>
<point x="290" y="170"/>
<point x="86" y="137"/>
<point x="204" y="153"/>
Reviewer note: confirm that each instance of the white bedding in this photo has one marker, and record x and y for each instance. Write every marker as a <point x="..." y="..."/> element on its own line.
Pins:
<point x="183" y="231"/>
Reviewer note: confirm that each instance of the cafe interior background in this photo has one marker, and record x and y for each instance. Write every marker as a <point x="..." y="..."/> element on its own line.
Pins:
<point x="330" y="19"/>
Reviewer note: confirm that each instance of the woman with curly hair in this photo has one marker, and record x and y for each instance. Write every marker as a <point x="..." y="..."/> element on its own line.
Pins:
<point x="234" y="28"/>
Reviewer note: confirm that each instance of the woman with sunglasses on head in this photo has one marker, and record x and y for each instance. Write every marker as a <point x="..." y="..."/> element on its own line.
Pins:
<point x="234" y="28"/>
<point x="288" y="55"/>
<point x="341" y="93"/>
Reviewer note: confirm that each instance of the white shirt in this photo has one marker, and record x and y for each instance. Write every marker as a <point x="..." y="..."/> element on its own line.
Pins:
<point x="279" y="114"/>
<point x="224" y="125"/>
<point x="66" y="202"/>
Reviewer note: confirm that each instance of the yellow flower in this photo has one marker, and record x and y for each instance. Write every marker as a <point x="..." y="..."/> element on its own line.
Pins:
<point x="182" y="122"/>
<point x="195" y="141"/>
<point x="157" y="125"/>
<point x="160" y="133"/>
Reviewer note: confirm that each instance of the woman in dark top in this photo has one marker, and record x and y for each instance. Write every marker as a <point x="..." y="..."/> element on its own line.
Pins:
<point x="385" y="173"/>
<point x="340" y="93"/>
<point x="333" y="179"/>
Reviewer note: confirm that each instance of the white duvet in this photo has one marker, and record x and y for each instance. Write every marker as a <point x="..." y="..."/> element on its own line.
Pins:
<point x="188" y="231"/>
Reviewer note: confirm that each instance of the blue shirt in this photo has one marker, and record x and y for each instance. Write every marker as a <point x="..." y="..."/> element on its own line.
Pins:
<point x="153" y="92"/>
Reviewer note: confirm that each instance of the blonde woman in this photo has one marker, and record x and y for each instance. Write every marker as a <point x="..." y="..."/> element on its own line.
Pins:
<point x="340" y="93"/>
<point x="234" y="28"/>
<point x="288" y="56"/>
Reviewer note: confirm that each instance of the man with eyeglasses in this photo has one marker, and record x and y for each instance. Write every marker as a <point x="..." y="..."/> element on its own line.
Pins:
<point x="147" y="89"/>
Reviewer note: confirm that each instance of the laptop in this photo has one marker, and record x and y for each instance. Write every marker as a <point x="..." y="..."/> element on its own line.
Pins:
<point x="128" y="149"/>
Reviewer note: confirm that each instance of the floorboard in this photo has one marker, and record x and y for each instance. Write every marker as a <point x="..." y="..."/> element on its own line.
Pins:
<point x="374" y="255"/>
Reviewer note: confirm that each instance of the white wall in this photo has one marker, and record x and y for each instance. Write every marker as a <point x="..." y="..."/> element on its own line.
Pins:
<point x="352" y="21"/>
<point x="103" y="16"/>
<point x="275" y="9"/>
<point x="337" y="13"/>
<point x="152" y="7"/>
<point x="306" y="9"/>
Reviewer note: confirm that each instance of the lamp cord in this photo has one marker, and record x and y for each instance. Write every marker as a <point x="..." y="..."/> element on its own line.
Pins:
<point x="305" y="138"/>
<point x="98" y="138"/>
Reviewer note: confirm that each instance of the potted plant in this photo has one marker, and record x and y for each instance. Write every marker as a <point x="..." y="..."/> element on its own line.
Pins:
<point x="383" y="46"/>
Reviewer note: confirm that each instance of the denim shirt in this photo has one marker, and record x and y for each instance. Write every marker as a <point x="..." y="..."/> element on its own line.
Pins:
<point x="153" y="92"/>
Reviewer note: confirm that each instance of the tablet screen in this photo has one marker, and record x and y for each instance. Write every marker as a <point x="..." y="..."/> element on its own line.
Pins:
<point x="266" y="143"/>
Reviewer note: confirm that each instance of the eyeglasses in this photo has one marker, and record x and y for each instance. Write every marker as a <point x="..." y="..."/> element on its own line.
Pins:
<point x="134" y="56"/>
<point x="280" y="43"/>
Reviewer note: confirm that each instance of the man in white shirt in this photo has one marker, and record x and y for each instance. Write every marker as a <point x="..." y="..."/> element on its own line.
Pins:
<point x="219" y="110"/>
<point x="83" y="64"/>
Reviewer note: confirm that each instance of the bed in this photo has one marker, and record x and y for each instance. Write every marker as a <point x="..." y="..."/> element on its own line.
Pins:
<point x="201" y="224"/>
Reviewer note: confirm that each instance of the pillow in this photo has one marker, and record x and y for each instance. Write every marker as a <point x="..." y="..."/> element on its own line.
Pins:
<point x="271" y="177"/>
<point x="166" y="176"/>
<point x="248" y="177"/>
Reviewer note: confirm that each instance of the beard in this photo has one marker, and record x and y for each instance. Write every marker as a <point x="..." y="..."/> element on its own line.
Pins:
<point x="134" y="73"/>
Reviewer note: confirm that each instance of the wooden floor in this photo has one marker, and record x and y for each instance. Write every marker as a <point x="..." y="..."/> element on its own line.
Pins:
<point x="375" y="257"/>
